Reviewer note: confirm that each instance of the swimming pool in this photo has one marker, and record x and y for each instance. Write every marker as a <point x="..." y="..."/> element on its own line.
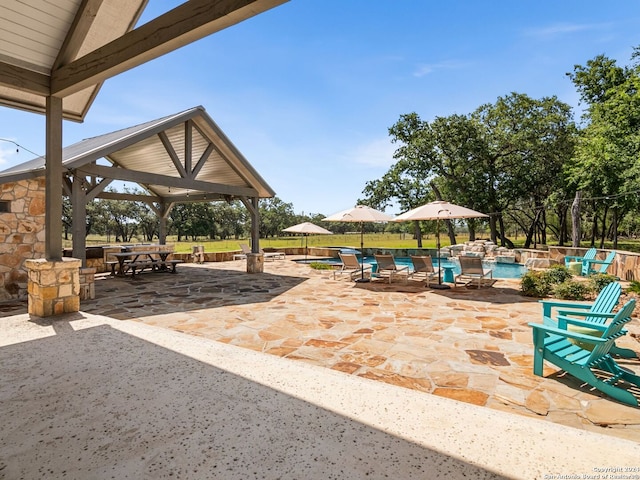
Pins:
<point x="500" y="270"/>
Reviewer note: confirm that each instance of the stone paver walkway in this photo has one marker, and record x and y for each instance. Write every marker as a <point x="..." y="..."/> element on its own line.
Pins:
<point x="466" y="344"/>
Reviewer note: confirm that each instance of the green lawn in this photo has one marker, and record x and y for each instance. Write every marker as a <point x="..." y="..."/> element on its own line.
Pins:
<point x="373" y="239"/>
<point x="382" y="240"/>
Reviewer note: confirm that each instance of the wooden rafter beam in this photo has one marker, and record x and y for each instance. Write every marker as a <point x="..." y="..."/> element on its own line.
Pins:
<point x="130" y="197"/>
<point x="184" y="24"/>
<point x="98" y="188"/>
<point x="188" y="147"/>
<point x="23" y="79"/>
<point x="78" y="32"/>
<point x="145" y="178"/>
<point x="203" y="159"/>
<point x="172" y="154"/>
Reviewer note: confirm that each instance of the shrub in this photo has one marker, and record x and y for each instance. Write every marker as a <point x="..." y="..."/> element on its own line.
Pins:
<point x="535" y="284"/>
<point x="600" y="280"/>
<point x="320" y="266"/>
<point x="557" y="274"/>
<point x="571" y="290"/>
<point x="542" y="283"/>
<point x="634" y="287"/>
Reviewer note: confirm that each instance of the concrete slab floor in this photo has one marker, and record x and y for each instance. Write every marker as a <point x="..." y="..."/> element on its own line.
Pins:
<point x="416" y="344"/>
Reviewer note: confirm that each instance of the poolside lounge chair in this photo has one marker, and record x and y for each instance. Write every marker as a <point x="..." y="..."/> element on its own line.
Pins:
<point x="423" y="268"/>
<point x="589" y="255"/>
<point x="605" y="303"/>
<point x="387" y="268"/>
<point x="246" y="250"/>
<point x="588" y="265"/>
<point x="595" y="367"/>
<point x="472" y="271"/>
<point x="352" y="266"/>
<point x="273" y="255"/>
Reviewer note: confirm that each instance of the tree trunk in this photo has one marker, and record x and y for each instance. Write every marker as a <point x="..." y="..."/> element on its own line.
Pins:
<point x="562" y="230"/>
<point x="417" y="232"/>
<point x="575" y="220"/>
<point x="471" y="225"/>
<point x="502" y="233"/>
<point x="594" y="227"/>
<point x="451" y="231"/>
<point x="531" y="232"/>
<point x="604" y="226"/>
<point x="543" y="226"/>
<point x="615" y="228"/>
<point x="436" y="193"/>
<point x="493" y="228"/>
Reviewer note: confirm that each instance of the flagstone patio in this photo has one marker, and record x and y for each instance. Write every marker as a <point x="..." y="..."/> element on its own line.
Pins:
<point x="466" y="344"/>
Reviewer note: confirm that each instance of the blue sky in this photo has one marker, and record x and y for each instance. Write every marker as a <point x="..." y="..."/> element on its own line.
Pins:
<point x="308" y="90"/>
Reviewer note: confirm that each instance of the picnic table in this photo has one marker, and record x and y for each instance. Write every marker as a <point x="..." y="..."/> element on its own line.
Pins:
<point x="139" y="260"/>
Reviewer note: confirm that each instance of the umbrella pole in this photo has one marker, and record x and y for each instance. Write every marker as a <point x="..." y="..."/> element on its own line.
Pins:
<point x="440" y="286"/>
<point x="306" y="247"/>
<point x="439" y="259"/>
<point x="362" y="279"/>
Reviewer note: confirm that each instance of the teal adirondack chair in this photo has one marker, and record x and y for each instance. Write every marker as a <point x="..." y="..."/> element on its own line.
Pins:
<point x="605" y="302"/>
<point x="595" y="367"/>
<point x="588" y="265"/>
<point x="589" y="255"/>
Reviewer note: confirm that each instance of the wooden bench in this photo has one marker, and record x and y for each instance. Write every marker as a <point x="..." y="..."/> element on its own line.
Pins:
<point x="169" y="263"/>
<point x="156" y="265"/>
<point x="113" y="266"/>
<point x="141" y="264"/>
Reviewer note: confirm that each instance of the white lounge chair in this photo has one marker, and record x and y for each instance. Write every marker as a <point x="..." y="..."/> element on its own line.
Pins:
<point x="423" y="268"/>
<point x="472" y="271"/>
<point x="387" y="268"/>
<point x="246" y="250"/>
<point x="352" y="266"/>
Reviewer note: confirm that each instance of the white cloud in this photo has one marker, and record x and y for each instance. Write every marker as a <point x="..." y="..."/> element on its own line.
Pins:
<point x="429" y="68"/>
<point x="376" y="153"/>
<point x="558" y="29"/>
<point x="7" y="155"/>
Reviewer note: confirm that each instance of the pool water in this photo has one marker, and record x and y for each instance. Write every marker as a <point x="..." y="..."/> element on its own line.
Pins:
<point x="500" y="270"/>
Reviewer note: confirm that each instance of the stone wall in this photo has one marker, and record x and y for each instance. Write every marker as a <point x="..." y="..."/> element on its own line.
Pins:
<point x="626" y="265"/>
<point x="22" y="235"/>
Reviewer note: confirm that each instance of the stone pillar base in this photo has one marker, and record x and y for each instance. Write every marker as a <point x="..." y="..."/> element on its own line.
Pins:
<point x="255" y="263"/>
<point x="87" y="283"/>
<point x="54" y="286"/>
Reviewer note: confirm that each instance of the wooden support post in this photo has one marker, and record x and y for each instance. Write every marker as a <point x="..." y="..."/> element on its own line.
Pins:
<point x="53" y="179"/>
<point x="79" y="230"/>
<point x="255" y="226"/>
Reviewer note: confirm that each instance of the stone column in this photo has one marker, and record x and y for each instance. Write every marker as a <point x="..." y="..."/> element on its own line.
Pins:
<point x="255" y="263"/>
<point x="87" y="283"/>
<point x="54" y="286"/>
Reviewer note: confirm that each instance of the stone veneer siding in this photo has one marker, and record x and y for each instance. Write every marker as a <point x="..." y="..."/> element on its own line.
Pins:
<point x="54" y="286"/>
<point x="22" y="234"/>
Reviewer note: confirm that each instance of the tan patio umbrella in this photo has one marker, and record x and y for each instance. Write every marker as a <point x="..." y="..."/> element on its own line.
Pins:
<point x="435" y="211"/>
<point x="306" y="229"/>
<point x="359" y="214"/>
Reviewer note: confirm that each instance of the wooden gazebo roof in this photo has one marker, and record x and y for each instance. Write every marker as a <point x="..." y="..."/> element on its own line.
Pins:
<point x="67" y="48"/>
<point x="183" y="157"/>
